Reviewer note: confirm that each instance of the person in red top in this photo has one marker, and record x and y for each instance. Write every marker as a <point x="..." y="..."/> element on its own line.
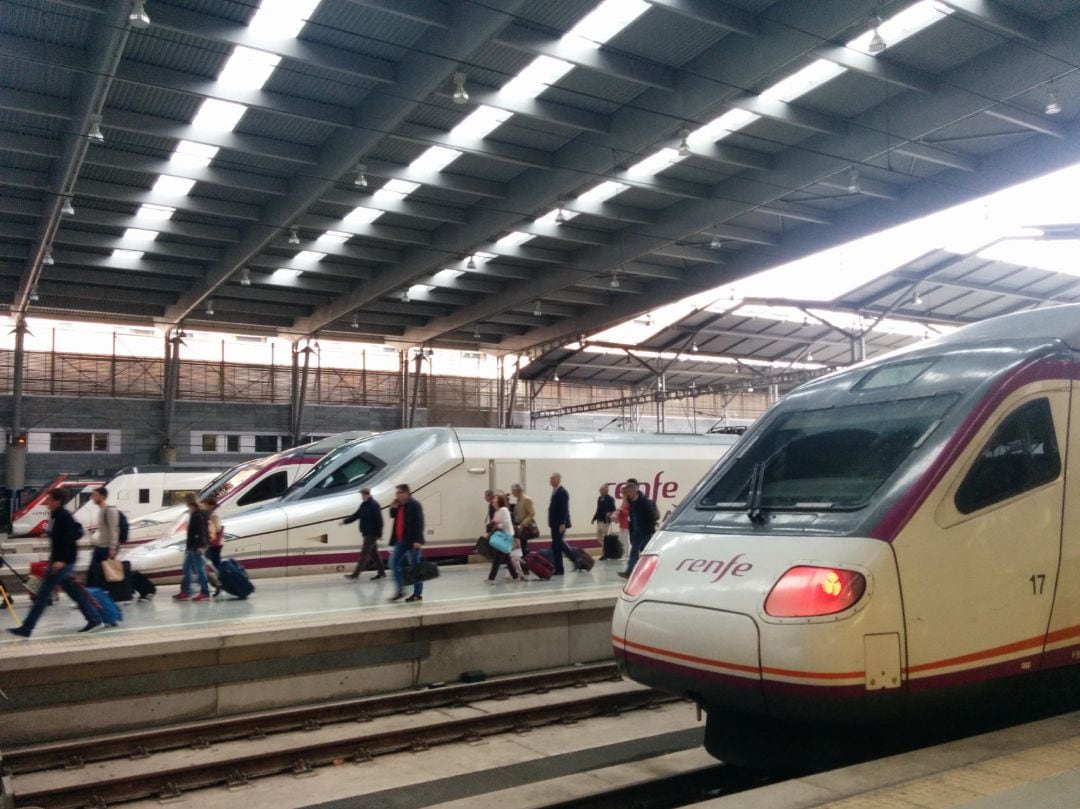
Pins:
<point x="407" y="539"/>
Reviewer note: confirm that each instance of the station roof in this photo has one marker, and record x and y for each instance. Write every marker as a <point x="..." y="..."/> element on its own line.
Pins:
<point x="303" y="166"/>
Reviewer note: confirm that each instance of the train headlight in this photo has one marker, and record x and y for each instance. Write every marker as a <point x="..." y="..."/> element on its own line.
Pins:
<point x="805" y="592"/>
<point x="643" y="571"/>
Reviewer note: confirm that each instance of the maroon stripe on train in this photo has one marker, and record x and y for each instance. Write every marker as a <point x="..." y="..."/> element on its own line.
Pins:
<point x="890" y="526"/>
<point x="668" y="667"/>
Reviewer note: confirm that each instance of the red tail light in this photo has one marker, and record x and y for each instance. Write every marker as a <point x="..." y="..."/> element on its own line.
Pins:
<point x="804" y="592"/>
<point x="643" y="571"/>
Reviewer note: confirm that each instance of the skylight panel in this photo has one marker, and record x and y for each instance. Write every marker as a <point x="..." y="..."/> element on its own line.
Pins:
<point x="606" y="190"/>
<point x="435" y="158"/>
<point x="307" y="257"/>
<point x="513" y="239"/>
<point x="481" y="122"/>
<point x="282" y="18"/>
<point x="334" y="237"/>
<point x="248" y="69"/>
<point x="481" y="256"/>
<point x="657" y="162"/>
<point x="362" y="216"/>
<point x="449" y="275"/>
<point x="1059" y="255"/>
<point x="174" y="186"/>
<point x="537" y="76"/>
<point x="395" y="189"/>
<point x="721" y="127"/>
<point x="284" y="275"/>
<point x="219" y="116"/>
<point x="193" y="155"/>
<point x="128" y="254"/>
<point x="803" y="81"/>
<point x="415" y="289"/>
<point x="606" y="20"/>
<point x="159" y="213"/>
<point x="899" y="27"/>
<point x="140" y="234"/>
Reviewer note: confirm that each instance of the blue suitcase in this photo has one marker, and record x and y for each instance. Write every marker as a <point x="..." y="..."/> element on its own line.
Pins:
<point x="110" y="613"/>
<point x="234" y="579"/>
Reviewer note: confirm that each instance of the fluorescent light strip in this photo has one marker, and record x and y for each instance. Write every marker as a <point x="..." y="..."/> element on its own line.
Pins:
<point x="480" y="122"/>
<point x="193" y="155"/>
<point x="435" y="158"/>
<point x="396" y="190"/>
<point x="282" y="18"/>
<point x="127" y="254"/>
<point x="537" y="76"/>
<point x="282" y="275"/>
<point x="140" y="234"/>
<point x="362" y="216"/>
<point x="218" y="116"/>
<point x="656" y="162"/>
<point x="307" y="257"/>
<point x="514" y="239"/>
<point x="248" y="69"/>
<point x="449" y="275"/>
<point x="607" y="20"/>
<point x="160" y="213"/>
<point x="606" y="190"/>
<point x="803" y="81"/>
<point x="418" y="288"/>
<point x="173" y="186"/>
<point x="334" y="237"/>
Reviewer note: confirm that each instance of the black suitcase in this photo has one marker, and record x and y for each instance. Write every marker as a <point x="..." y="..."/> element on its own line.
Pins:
<point x="119" y="591"/>
<point x="583" y="560"/>
<point x="142" y="585"/>
<point x="234" y="579"/>
<point x="613" y="549"/>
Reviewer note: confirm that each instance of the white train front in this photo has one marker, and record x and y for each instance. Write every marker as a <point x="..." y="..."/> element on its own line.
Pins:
<point x="448" y="470"/>
<point x="887" y="538"/>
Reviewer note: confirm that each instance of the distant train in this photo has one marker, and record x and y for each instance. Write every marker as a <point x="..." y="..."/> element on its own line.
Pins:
<point x="448" y="470"/>
<point x="885" y="540"/>
<point x="243" y="487"/>
<point x="32" y="519"/>
<point x="139" y="490"/>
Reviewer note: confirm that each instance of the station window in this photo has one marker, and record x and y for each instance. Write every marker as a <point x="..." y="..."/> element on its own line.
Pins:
<point x="1021" y="455"/>
<point x="266" y="443"/>
<point x="232" y="443"/>
<point x="78" y="442"/>
<point x="209" y="442"/>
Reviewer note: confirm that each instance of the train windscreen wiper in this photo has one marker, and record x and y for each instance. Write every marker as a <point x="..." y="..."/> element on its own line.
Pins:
<point x="757" y="489"/>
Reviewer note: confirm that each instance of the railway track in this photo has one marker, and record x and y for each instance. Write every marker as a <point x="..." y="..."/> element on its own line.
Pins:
<point x="166" y="762"/>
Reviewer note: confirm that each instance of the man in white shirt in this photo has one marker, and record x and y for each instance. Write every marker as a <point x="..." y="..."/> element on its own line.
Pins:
<point x="105" y="543"/>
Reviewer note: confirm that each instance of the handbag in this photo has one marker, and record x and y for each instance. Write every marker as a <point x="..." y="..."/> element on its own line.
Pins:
<point x="113" y="570"/>
<point x="529" y="531"/>
<point x="501" y="541"/>
<point x="483" y="547"/>
<point x="425" y="571"/>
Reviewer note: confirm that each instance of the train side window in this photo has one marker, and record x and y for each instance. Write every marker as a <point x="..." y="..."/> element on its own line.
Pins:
<point x="144" y="495"/>
<point x="1021" y="455"/>
<point x="269" y="487"/>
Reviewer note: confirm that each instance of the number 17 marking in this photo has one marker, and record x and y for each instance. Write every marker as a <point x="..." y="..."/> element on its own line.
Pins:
<point x="1037" y="582"/>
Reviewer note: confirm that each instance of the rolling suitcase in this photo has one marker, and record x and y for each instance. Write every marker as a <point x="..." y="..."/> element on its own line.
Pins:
<point x="121" y="591"/>
<point x="583" y="560"/>
<point x="234" y="579"/>
<point x="539" y="565"/>
<point x="38" y="572"/>
<point x="613" y="549"/>
<point x="142" y="585"/>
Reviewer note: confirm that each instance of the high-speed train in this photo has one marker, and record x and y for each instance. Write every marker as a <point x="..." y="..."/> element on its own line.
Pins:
<point x="242" y="487"/>
<point x="139" y="490"/>
<point x="31" y="520"/>
<point x="448" y="471"/>
<point x="890" y="538"/>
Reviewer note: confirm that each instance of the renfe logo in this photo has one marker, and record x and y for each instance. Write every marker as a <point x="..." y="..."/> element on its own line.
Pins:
<point x="717" y="566"/>
<point x="654" y="491"/>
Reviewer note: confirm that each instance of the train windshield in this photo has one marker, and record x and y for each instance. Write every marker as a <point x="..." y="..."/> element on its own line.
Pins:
<point x="232" y="478"/>
<point x="833" y="458"/>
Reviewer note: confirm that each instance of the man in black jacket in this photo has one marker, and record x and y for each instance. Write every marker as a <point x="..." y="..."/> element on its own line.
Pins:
<point x="558" y="522"/>
<point x="198" y="539"/>
<point x="605" y="507"/>
<point x="64" y="533"/>
<point x="407" y="537"/>
<point x="371" y="528"/>
<point x="643" y="519"/>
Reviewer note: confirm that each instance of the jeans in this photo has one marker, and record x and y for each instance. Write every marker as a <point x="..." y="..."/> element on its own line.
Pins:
<point x="401" y="551"/>
<point x="559" y="548"/>
<point x="63" y="578"/>
<point x="213" y="556"/>
<point x="194" y="565"/>
<point x="637" y="545"/>
<point x="369" y="551"/>
<point x="94" y="575"/>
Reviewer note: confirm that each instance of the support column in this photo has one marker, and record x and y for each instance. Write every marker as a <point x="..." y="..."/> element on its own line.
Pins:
<point x="171" y="384"/>
<point x="416" y="386"/>
<point x="508" y="421"/>
<point x="15" y="459"/>
<point x="661" y="402"/>
<point x="403" y="368"/>
<point x="299" y="391"/>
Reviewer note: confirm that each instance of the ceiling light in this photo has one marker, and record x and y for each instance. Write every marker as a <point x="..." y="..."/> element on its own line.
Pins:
<point x="248" y="69"/>
<point x="481" y="122"/>
<point x="460" y="95"/>
<point x="68" y="209"/>
<point x="362" y="216"/>
<point x="853" y="180"/>
<point x="130" y="255"/>
<point x="34" y="297"/>
<point x="602" y="192"/>
<point x="159" y="212"/>
<point x="435" y="158"/>
<point x="282" y="18"/>
<point x="138" y="18"/>
<point x="809" y="355"/>
<point x="395" y="189"/>
<point x="219" y="116"/>
<point x="684" y="146"/>
<point x="140" y="234"/>
<point x="715" y="243"/>
<point x="210" y="307"/>
<point x="285" y="275"/>
<point x="405" y="296"/>
<point x="615" y="280"/>
<point x="361" y="176"/>
<point x="47" y="259"/>
<point x="245" y="278"/>
<point x="514" y="238"/>
<point x="94" y="133"/>
<point x="877" y="44"/>
<point x="355" y="323"/>
<point x="476" y="333"/>
<point x="538" y="75"/>
<point x="173" y="186"/>
<point x="471" y="264"/>
<point x="1053" y="106"/>
<point x="560" y="216"/>
<point x="536" y="309"/>
<point x="607" y="19"/>
<point x="694" y="348"/>
<point x="656" y="162"/>
<point x="193" y="155"/>
<point x="294" y="235"/>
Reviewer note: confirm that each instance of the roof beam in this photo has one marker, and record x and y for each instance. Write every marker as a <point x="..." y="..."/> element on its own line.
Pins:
<point x="878" y="68"/>
<point x="867" y="186"/>
<point x="1001" y="18"/>
<point x="138" y="196"/>
<point x="942" y="157"/>
<point x="481" y="147"/>
<point x="419" y="74"/>
<point x="563" y="232"/>
<point x="35" y="104"/>
<point x="789" y="114"/>
<point x="691" y="252"/>
<point x="439" y="179"/>
<point x="1028" y="120"/>
<point x="802" y="213"/>
<point x="406" y="207"/>
<point x="714" y="13"/>
<point x="599" y="60"/>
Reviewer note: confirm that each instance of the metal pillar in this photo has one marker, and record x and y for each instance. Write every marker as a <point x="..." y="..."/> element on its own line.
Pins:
<point x="416" y="386"/>
<point x="508" y="421"/>
<point x="171" y="385"/>
<point x="15" y="461"/>
<point x="661" y="412"/>
<point x="300" y="384"/>
<point x="403" y="368"/>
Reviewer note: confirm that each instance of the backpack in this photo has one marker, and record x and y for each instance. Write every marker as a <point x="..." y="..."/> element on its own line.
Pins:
<point x="123" y="526"/>
<point x="80" y="532"/>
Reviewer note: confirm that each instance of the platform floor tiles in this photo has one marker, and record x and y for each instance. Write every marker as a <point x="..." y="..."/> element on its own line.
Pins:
<point x="314" y="596"/>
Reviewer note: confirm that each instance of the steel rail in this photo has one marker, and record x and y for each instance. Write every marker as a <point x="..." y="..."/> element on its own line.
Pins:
<point x="167" y="782"/>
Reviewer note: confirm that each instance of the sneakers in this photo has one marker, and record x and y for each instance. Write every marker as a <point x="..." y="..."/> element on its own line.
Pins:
<point x="202" y="597"/>
<point x="90" y="626"/>
<point x="181" y="597"/>
<point x="21" y="632"/>
<point x="378" y="576"/>
<point x="147" y="597"/>
<point x="352" y="576"/>
<point x="414" y="598"/>
<point x="216" y="593"/>
<point x="400" y="595"/>
<point x="622" y="574"/>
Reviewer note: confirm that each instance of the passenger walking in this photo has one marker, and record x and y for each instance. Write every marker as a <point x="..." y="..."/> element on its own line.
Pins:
<point x="63" y="534"/>
<point x="371" y="529"/>
<point x="643" y="519"/>
<point x="106" y="542"/>
<point x="558" y="522"/>
<point x="605" y="508"/>
<point x="502" y="521"/>
<point x="407" y="537"/>
<point x="216" y="535"/>
<point x="489" y="498"/>
<point x="624" y="523"/>
<point x="198" y="539"/>
<point x="525" y="514"/>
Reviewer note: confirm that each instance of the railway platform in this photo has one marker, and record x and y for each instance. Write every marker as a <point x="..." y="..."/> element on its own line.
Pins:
<point x="295" y="641"/>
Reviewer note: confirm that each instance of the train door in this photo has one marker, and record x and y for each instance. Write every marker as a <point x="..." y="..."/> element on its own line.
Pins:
<point x="505" y="474"/>
<point x="978" y="561"/>
<point x="1062" y="645"/>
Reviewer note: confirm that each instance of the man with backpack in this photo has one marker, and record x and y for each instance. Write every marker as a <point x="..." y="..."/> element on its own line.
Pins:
<point x="64" y="533"/>
<point x="644" y="517"/>
<point x="106" y="542"/>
